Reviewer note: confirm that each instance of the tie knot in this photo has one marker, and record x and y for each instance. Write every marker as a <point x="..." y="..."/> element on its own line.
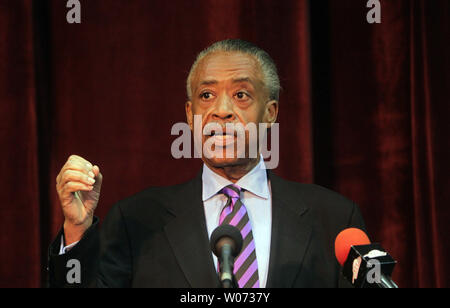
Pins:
<point x="232" y="191"/>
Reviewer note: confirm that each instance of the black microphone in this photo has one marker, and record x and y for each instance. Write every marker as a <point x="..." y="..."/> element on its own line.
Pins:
<point x="226" y="243"/>
<point x="365" y="264"/>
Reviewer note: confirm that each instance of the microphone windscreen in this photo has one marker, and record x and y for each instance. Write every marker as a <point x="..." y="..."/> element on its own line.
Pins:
<point x="230" y="232"/>
<point x="346" y="239"/>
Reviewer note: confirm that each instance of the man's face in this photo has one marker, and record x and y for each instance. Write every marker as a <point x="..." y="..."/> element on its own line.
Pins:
<point x="228" y="87"/>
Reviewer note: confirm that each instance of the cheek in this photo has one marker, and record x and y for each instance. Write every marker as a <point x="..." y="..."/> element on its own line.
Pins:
<point x="195" y="108"/>
<point x="201" y="109"/>
<point x="251" y="115"/>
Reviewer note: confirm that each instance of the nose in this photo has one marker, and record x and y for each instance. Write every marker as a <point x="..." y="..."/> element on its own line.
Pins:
<point x="223" y="109"/>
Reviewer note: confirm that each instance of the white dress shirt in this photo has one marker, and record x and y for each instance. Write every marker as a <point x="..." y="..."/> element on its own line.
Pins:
<point x="258" y="202"/>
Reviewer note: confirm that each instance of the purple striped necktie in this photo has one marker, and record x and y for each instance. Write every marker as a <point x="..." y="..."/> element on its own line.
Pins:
<point x="235" y="214"/>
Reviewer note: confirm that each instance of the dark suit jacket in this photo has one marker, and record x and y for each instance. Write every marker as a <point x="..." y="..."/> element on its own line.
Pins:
<point x="158" y="238"/>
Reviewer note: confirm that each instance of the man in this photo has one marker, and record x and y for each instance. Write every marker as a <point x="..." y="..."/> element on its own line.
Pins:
<point x="160" y="237"/>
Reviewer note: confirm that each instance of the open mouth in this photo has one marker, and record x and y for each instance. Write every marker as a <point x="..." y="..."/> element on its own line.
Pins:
<point x="222" y="133"/>
<point x="222" y="138"/>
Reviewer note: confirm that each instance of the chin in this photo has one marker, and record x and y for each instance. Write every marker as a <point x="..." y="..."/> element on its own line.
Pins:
<point x="225" y="162"/>
<point x="222" y="161"/>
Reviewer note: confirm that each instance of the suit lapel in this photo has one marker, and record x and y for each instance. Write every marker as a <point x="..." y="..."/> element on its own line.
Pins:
<point x="188" y="236"/>
<point x="291" y="232"/>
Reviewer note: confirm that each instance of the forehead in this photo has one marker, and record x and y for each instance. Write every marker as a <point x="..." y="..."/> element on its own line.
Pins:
<point x="223" y="66"/>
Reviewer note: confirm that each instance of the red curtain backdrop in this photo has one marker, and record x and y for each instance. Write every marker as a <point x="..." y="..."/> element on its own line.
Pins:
<point x="363" y="111"/>
<point x="20" y="242"/>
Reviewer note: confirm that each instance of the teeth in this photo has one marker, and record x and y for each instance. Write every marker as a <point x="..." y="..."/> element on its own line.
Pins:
<point x="220" y="134"/>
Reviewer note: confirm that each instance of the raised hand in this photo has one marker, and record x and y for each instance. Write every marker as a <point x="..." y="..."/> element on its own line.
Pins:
<point x="78" y="185"/>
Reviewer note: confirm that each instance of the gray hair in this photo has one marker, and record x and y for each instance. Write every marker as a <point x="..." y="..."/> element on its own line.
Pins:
<point x="268" y="67"/>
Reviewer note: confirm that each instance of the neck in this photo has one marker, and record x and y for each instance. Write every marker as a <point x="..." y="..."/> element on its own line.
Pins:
<point x="234" y="172"/>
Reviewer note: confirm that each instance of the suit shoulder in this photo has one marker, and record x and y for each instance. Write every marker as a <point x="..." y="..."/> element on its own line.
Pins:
<point x="320" y="194"/>
<point x="151" y="199"/>
<point x="330" y="210"/>
<point x="318" y="197"/>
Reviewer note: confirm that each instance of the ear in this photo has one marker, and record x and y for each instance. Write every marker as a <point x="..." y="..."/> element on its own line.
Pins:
<point x="271" y="112"/>
<point x="189" y="114"/>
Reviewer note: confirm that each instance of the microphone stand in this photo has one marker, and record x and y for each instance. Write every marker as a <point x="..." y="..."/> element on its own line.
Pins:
<point x="227" y="278"/>
<point x="387" y="283"/>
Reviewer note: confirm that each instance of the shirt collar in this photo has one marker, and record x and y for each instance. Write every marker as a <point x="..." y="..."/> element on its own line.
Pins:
<point x="254" y="181"/>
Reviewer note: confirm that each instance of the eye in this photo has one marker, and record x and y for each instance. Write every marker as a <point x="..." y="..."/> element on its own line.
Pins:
<point x="242" y="96"/>
<point x="206" y="96"/>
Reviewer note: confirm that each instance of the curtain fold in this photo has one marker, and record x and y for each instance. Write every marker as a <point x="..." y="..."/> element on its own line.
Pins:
<point x="387" y="90"/>
<point x="426" y="95"/>
<point x="20" y="264"/>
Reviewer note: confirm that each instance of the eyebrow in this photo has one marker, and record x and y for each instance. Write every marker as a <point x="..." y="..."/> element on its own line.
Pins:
<point x="235" y="80"/>
<point x="242" y="79"/>
<point x="208" y="82"/>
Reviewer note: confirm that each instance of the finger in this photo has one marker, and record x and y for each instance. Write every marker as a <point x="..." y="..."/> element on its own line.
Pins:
<point x="79" y="161"/>
<point x="78" y="165"/>
<point x="96" y="170"/>
<point x="97" y="173"/>
<point x="76" y="176"/>
<point x="71" y="187"/>
<point x="72" y="166"/>
<point x="98" y="179"/>
<point x="76" y="158"/>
